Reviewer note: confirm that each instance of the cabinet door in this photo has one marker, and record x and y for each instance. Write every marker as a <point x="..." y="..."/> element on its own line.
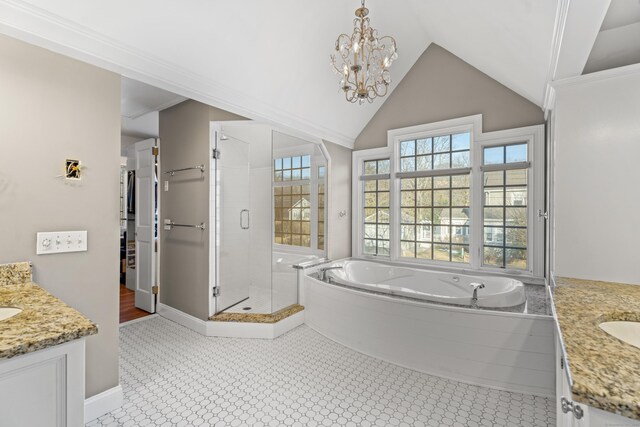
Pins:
<point x="40" y="386"/>
<point x="563" y="389"/>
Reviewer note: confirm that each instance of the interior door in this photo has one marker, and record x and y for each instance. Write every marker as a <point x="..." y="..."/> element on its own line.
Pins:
<point x="233" y="222"/>
<point x="145" y="224"/>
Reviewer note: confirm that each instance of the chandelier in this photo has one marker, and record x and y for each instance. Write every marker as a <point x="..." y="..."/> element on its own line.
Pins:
<point x="363" y="60"/>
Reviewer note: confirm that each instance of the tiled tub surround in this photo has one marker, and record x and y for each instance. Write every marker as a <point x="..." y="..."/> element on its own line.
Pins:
<point x="509" y="350"/>
<point x="45" y="321"/>
<point x="605" y="371"/>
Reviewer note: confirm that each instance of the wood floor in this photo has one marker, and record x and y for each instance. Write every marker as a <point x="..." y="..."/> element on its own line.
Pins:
<point x="128" y="310"/>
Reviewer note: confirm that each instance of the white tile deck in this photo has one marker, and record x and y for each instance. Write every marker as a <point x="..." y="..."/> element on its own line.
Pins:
<point x="175" y="377"/>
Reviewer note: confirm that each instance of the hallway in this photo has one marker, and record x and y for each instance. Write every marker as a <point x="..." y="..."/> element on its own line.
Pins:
<point x="128" y="310"/>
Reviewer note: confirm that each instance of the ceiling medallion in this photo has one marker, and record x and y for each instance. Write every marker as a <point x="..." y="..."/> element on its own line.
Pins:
<point x="363" y="60"/>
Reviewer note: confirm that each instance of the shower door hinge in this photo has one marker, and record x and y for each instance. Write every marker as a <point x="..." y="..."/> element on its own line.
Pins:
<point x="216" y="153"/>
<point x="155" y="151"/>
<point x="216" y="291"/>
<point x="154" y="290"/>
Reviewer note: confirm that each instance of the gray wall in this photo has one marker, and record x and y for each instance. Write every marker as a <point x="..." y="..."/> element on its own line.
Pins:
<point x="441" y="86"/>
<point x="340" y="199"/>
<point x="184" y="253"/>
<point x="53" y="108"/>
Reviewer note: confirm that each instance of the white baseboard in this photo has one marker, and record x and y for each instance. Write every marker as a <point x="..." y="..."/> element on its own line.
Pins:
<point x="103" y="403"/>
<point x="231" y="329"/>
<point x="182" y="318"/>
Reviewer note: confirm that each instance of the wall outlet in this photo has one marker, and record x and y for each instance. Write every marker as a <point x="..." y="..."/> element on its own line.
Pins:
<point x="55" y="242"/>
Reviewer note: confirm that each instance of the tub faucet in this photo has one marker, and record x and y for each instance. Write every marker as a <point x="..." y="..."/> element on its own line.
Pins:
<point x="474" y="298"/>
<point x="323" y="271"/>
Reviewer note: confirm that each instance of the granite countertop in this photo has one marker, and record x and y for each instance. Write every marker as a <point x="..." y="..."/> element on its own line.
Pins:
<point x="605" y="372"/>
<point x="45" y="321"/>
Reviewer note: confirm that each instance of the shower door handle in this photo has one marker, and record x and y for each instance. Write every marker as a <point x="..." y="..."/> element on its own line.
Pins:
<point x="242" y="218"/>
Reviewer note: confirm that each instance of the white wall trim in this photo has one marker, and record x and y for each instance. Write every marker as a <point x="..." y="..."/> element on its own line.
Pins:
<point x="613" y="73"/>
<point x="37" y="26"/>
<point x="103" y="403"/>
<point x="182" y="318"/>
<point x="556" y="43"/>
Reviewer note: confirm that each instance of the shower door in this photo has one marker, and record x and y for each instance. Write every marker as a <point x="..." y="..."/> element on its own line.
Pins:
<point x="232" y="222"/>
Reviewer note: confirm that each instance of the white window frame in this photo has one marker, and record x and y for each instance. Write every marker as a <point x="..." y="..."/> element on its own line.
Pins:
<point x="533" y="136"/>
<point x="357" y="218"/>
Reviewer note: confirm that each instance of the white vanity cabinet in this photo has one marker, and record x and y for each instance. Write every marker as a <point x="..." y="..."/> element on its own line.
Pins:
<point x="44" y="388"/>
<point x="575" y="414"/>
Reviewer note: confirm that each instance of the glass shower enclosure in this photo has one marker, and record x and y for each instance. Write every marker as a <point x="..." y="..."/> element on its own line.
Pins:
<point x="268" y="212"/>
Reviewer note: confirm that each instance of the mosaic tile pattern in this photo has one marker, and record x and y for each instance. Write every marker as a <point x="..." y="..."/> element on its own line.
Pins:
<point x="174" y="377"/>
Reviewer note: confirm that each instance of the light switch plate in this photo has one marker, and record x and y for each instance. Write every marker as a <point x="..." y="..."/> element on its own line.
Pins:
<point x="56" y="242"/>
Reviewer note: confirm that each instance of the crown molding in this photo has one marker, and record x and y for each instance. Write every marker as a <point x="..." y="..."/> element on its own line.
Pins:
<point x="599" y="76"/>
<point x="559" y="26"/>
<point x="37" y="26"/>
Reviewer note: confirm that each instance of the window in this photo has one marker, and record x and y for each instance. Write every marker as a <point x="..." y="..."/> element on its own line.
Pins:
<point x="292" y="168"/>
<point x="321" y="206"/>
<point x="434" y="218"/>
<point x="505" y="214"/>
<point x="292" y="201"/>
<point x="440" y="152"/>
<point x="376" y="207"/>
<point x="434" y="197"/>
<point x="448" y="194"/>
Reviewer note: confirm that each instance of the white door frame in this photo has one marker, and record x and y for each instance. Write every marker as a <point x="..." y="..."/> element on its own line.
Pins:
<point x="145" y="225"/>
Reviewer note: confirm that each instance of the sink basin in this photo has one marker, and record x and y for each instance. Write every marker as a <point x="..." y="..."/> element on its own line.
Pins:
<point x="8" y="312"/>
<point x="628" y="332"/>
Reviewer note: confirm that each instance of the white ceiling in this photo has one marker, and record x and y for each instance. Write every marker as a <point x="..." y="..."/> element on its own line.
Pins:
<point x="618" y="42"/>
<point x="269" y="60"/>
<point x="139" y="107"/>
<point x="138" y="99"/>
<point x="621" y="13"/>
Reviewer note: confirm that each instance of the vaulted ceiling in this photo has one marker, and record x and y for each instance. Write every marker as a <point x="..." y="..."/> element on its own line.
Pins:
<point x="269" y="60"/>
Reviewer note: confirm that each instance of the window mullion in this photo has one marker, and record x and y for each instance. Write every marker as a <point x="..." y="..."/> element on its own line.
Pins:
<point x="476" y="207"/>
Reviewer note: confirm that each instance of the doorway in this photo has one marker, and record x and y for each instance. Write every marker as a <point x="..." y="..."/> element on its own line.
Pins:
<point x="139" y="230"/>
<point x="140" y="196"/>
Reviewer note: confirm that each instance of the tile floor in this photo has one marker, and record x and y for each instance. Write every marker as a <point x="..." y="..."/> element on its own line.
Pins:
<point x="172" y="376"/>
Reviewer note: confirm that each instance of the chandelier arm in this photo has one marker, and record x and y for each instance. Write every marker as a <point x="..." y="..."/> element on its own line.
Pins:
<point x="364" y="60"/>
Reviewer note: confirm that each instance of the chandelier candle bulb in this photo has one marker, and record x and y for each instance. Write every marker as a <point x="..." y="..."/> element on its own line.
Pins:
<point x="366" y="76"/>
